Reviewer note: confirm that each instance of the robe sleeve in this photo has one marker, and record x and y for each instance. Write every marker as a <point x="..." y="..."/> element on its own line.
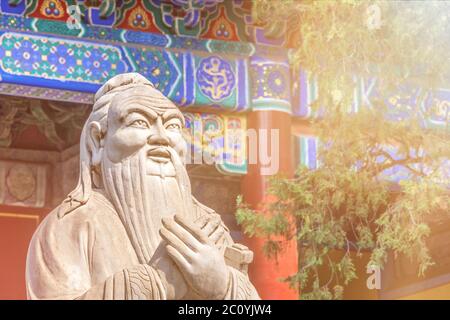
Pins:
<point x="240" y="287"/>
<point x="58" y="267"/>
<point x="140" y="282"/>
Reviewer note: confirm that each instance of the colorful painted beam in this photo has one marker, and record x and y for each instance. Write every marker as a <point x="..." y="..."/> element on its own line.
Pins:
<point x="55" y="56"/>
<point x="15" y="7"/>
<point x="60" y="63"/>
<point x="214" y="19"/>
<point x="433" y="112"/>
<point x="17" y="22"/>
<point x="270" y="84"/>
<point x="228" y="20"/>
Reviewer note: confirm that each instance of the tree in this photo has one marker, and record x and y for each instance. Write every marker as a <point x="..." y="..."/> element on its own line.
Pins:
<point x="350" y="200"/>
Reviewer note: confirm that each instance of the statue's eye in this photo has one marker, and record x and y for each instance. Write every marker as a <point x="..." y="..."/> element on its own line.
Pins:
<point x="175" y="126"/>
<point x="140" y="124"/>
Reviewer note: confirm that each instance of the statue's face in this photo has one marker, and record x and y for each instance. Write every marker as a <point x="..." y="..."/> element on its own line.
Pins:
<point x="135" y="126"/>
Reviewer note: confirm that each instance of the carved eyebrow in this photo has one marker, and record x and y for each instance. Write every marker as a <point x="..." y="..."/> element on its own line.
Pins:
<point x="174" y="113"/>
<point x="148" y="113"/>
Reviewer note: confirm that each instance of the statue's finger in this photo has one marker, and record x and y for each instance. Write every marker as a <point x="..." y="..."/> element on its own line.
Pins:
<point x="216" y="235"/>
<point x="212" y="225"/>
<point x="179" y="259"/>
<point x="184" y="235"/>
<point x="202" y="221"/>
<point x="221" y="241"/>
<point x="175" y="242"/>
<point x="191" y="228"/>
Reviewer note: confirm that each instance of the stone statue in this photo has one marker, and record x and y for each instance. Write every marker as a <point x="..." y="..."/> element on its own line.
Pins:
<point x="131" y="228"/>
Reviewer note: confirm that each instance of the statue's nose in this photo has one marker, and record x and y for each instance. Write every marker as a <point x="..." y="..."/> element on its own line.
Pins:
<point x="158" y="135"/>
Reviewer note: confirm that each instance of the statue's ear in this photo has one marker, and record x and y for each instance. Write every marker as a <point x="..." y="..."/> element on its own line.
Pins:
<point x="95" y="142"/>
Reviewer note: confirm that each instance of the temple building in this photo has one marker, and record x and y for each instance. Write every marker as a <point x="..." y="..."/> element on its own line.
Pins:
<point x="235" y="86"/>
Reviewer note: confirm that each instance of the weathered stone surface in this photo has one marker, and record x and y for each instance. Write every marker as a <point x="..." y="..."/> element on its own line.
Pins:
<point x="131" y="228"/>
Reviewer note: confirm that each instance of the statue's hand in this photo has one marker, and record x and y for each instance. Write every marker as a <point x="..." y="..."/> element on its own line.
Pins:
<point x="211" y="225"/>
<point x="200" y="262"/>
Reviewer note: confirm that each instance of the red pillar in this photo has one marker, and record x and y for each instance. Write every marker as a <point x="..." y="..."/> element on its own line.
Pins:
<point x="265" y="273"/>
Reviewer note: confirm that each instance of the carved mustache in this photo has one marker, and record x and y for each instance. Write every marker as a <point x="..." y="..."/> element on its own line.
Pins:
<point x="162" y="152"/>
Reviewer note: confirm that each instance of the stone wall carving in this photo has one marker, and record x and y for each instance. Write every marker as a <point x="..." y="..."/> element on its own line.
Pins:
<point x="23" y="184"/>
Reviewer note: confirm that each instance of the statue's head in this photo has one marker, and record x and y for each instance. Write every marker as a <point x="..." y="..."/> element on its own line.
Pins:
<point x="132" y="149"/>
<point x="140" y="119"/>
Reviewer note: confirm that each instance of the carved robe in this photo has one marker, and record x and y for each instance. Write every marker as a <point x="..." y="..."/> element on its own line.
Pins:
<point x="87" y="254"/>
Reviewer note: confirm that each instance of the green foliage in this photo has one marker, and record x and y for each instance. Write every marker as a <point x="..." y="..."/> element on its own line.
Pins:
<point x="348" y="204"/>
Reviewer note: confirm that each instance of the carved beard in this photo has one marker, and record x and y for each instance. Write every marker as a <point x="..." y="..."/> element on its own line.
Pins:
<point x="141" y="200"/>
